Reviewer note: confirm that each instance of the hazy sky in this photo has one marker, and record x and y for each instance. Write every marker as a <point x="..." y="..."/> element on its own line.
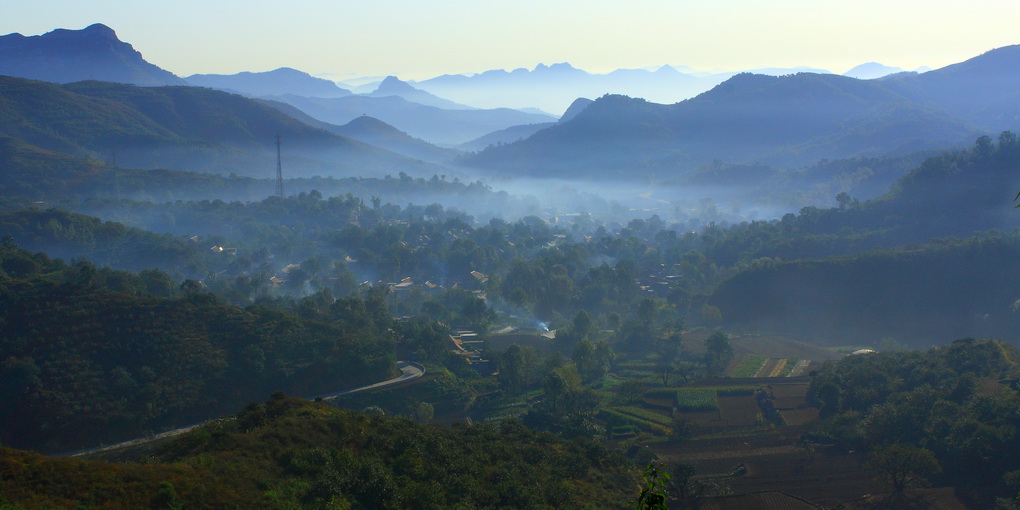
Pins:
<point x="421" y="39"/>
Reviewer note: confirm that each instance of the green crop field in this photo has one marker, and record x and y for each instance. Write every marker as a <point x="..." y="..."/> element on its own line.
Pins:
<point x="748" y="366"/>
<point x="697" y="399"/>
<point x="645" y="414"/>
<point x="613" y="415"/>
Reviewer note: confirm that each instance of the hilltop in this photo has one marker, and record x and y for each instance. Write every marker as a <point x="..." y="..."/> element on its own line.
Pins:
<point x="65" y="56"/>
<point x="280" y="81"/>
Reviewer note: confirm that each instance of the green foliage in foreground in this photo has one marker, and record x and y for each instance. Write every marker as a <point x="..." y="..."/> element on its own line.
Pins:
<point x="290" y="453"/>
<point x="653" y="491"/>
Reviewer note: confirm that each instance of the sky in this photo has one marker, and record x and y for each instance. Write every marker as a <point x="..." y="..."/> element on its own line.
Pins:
<point x="416" y="40"/>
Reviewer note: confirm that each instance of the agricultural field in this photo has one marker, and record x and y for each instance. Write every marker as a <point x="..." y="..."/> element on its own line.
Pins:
<point x="774" y="461"/>
<point x="716" y="408"/>
<point x="737" y="444"/>
<point x="780" y="347"/>
<point x="642" y="419"/>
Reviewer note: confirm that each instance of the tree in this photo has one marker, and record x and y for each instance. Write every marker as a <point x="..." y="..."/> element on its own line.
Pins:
<point x="711" y="314"/>
<point x="718" y="353"/>
<point x="157" y="282"/>
<point x="82" y="273"/>
<point x="475" y="312"/>
<point x="666" y="372"/>
<point x="844" y="200"/>
<point x="828" y="397"/>
<point x="903" y="464"/>
<point x="423" y="412"/>
<point x="514" y="367"/>
<point x="670" y="347"/>
<point x="682" y="428"/>
<point x="166" y="497"/>
<point x="653" y="490"/>
<point x="682" y="482"/>
<point x="559" y="385"/>
<point x="583" y="326"/>
<point x="630" y="391"/>
<point x="646" y="311"/>
<point x="593" y="359"/>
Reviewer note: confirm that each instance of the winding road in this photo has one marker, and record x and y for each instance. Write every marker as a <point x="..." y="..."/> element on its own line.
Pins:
<point x="408" y="371"/>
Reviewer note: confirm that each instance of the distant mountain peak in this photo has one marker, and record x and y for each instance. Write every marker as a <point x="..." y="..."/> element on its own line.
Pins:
<point x="289" y="70"/>
<point x="100" y="30"/>
<point x="367" y="121"/>
<point x="872" y="70"/>
<point x="393" y="85"/>
<point x="575" y="108"/>
<point x="92" y="53"/>
<point x="95" y="30"/>
<point x="562" y="67"/>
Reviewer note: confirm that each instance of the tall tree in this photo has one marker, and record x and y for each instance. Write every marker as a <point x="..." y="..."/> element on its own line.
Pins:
<point x="718" y="353"/>
<point x="903" y="464"/>
<point x="515" y="365"/>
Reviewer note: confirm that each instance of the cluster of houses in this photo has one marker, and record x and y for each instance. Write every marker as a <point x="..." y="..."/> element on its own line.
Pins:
<point x="660" y="280"/>
<point x="465" y="343"/>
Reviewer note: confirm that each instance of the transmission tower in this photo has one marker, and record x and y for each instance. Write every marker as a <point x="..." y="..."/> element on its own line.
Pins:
<point x="279" y="169"/>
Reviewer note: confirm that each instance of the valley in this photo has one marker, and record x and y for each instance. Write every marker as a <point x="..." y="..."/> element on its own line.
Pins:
<point x="783" y="290"/>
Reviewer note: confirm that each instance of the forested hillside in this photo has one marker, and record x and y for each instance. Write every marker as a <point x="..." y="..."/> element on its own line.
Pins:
<point x="922" y="296"/>
<point x="181" y="128"/>
<point x="952" y="410"/>
<point x="289" y="453"/>
<point x="92" y="355"/>
<point x="918" y="292"/>
<point x="70" y="236"/>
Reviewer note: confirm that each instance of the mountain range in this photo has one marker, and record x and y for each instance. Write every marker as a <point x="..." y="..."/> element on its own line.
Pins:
<point x="552" y="88"/>
<point x="436" y="125"/>
<point x="789" y="121"/>
<point x="397" y="103"/>
<point x="95" y="53"/>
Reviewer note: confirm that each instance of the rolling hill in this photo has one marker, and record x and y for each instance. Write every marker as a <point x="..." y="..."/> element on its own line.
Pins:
<point x="516" y="133"/>
<point x="270" y="83"/>
<point x="186" y="128"/>
<point x="916" y="293"/>
<point x="380" y="134"/>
